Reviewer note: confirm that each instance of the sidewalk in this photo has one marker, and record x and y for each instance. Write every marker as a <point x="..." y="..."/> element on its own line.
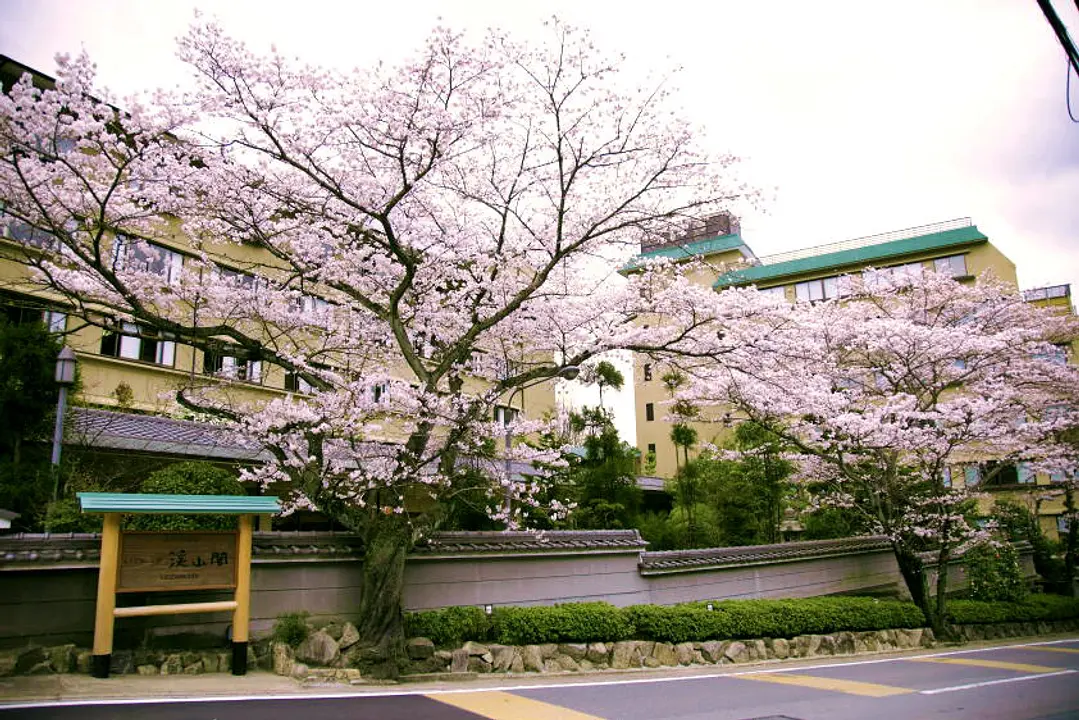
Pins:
<point x="76" y="689"/>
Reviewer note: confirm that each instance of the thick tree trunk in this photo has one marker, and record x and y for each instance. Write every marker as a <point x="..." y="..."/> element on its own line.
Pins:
<point x="1071" y="541"/>
<point x="912" y="569"/>
<point x="382" y="640"/>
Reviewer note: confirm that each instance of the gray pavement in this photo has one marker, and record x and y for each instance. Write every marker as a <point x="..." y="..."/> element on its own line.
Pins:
<point x="1009" y="680"/>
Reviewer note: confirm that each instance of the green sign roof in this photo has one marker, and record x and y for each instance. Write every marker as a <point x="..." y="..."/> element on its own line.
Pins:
<point x="180" y="504"/>
<point x="861" y="256"/>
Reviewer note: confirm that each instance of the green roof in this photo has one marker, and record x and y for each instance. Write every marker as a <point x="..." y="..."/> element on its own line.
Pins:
<point x="183" y="504"/>
<point x="861" y="256"/>
<point x="708" y="246"/>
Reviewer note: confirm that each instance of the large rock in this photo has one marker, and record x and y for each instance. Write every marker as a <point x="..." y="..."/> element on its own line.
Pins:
<point x="282" y="658"/>
<point x="712" y="650"/>
<point x="63" y="658"/>
<point x="518" y="664"/>
<point x="567" y="663"/>
<point x="418" y="648"/>
<point x="532" y="658"/>
<point x="475" y="649"/>
<point x="300" y="671"/>
<point x="664" y="654"/>
<point x="781" y="648"/>
<point x="318" y="649"/>
<point x="29" y="658"/>
<point x="684" y="653"/>
<point x="121" y="662"/>
<point x="335" y="630"/>
<point x="349" y="636"/>
<point x="502" y="657"/>
<point x="597" y="652"/>
<point x="626" y="654"/>
<point x="844" y="643"/>
<point x="477" y="664"/>
<point x="173" y="665"/>
<point x="8" y="660"/>
<point x="147" y="670"/>
<point x="736" y="652"/>
<point x="194" y="668"/>
<point x="577" y="651"/>
<point x="459" y="663"/>
<point x="548" y="651"/>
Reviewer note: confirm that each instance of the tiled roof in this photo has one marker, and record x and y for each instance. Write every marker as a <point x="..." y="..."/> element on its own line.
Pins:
<point x="672" y="561"/>
<point x="159" y="435"/>
<point x="854" y="257"/>
<point x="84" y="549"/>
<point x="695" y="248"/>
<point x="494" y="544"/>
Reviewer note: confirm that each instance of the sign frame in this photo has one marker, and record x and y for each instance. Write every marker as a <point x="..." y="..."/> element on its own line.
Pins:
<point x="196" y="536"/>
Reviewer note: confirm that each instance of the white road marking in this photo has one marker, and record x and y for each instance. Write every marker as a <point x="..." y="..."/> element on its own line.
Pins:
<point x="970" y="686"/>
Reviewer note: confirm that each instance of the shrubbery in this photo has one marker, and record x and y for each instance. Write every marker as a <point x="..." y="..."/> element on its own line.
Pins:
<point x="587" y="622"/>
<point x="1031" y="609"/>
<point x="994" y="572"/>
<point x="291" y="628"/>
<point x="188" y="478"/>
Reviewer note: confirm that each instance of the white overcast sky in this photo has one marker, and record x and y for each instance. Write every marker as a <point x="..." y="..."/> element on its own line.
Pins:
<point x="857" y="117"/>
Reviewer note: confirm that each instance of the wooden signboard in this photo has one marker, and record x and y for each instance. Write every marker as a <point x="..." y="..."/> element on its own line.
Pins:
<point x="155" y="561"/>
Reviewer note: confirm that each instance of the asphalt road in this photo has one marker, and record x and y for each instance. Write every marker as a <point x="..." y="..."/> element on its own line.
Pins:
<point x="1020" y="682"/>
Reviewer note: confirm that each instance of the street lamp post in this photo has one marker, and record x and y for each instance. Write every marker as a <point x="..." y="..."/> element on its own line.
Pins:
<point x="569" y="372"/>
<point x="65" y="377"/>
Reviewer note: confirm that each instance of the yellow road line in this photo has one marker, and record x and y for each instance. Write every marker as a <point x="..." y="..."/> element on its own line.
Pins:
<point x="851" y="687"/>
<point x="1049" y="648"/>
<point x="972" y="662"/>
<point x="507" y="706"/>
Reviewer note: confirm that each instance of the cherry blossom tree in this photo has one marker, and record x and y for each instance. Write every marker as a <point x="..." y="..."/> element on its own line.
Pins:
<point x="884" y="393"/>
<point x="410" y="243"/>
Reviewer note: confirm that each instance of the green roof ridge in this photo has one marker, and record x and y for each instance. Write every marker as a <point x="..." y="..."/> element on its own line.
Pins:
<point x="854" y="256"/>
<point x="94" y="502"/>
<point x="707" y="246"/>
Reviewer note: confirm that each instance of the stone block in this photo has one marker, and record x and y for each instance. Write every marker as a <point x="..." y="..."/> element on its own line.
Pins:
<point x="121" y="662"/>
<point x="577" y="651"/>
<point x="625" y="655"/>
<point x="349" y="636"/>
<point x="419" y="648"/>
<point x="652" y="662"/>
<point x="83" y="661"/>
<point x="282" y="658"/>
<point x="684" y="653"/>
<point x="318" y="649"/>
<point x="147" y="670"/>
<point x="194" y="668"/>
<point x="596" y="652"/>
<point x="477" y="664"/>
<point x="664" y="654"/>
<point x="300" y="671"/>
<point x="459" y="662"/>
<point x="712" y="650"/>
<point x="548" y="650"/>
<point x="551" y="666"/>
<point x="502" y="657"/>
<point x="475" y="649"/>
<point x="173" y="665"/>
<point x="532" y="658"/>
<point x="63" y="658"/>
<point x="567" y="663"/>
<point x="736" y="652"/>
<point x="28" y="658"/>
<point x="781" y="648"/>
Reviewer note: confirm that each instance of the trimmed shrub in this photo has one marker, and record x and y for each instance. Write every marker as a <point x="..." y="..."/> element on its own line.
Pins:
<point x="1031" y="609"/>
<point x="570" y="622"/>
<point x="448" y="626"/>
<point x="790" y="617"/>
<point x="291" y="628"/>
<point x="994" y="572"/>
<point x="188" y="478"/>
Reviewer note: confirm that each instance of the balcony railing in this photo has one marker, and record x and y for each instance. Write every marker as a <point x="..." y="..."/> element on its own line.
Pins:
<point x="919" y="231"/>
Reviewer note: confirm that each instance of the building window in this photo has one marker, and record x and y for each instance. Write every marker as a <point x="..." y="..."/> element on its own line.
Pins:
<point x="972" y="475"/>
<point x="295" y="383"/>
<point x="1024" y="474"/>
<point x="232" y="367"/>
<point x="242" y="280"/>
<point x="649" y="412"/>
<point x="954" y="265"/>
<point x="779" y="292"/>
<point x="827" y="288"/>
<point x="54" y="320"/>
<point x="380" y="392"/>
<point x="135" y="343"/>
<point x="946" y="477"/>
<point x="1062" y="524"/>
<point x="648" y="371"/>
<point x="147" y="257"/>
<point x="652" y="448"/>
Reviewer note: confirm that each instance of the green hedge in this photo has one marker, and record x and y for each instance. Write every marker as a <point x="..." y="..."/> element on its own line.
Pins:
<point x="728" y="619"/>
<point x="571" y="622"/>
<point x="588" y="622"/>
<point x="1031" y="609"/>
<point x="771" y="618"/>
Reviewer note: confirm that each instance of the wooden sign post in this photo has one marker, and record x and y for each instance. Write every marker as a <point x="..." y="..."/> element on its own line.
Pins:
<point x="161" y="561"/>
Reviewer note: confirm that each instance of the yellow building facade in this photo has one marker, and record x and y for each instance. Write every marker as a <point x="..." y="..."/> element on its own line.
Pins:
<point x="818" y="273"/>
